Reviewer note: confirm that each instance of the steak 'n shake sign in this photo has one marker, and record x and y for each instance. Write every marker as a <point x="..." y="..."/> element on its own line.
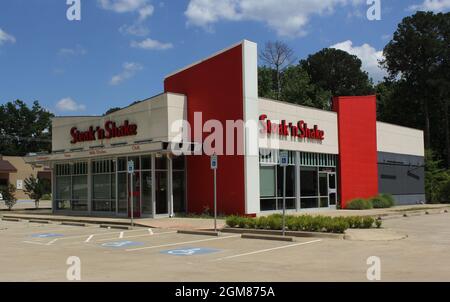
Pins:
<point x="109" y="131"/>
<point x="299" y="130"/>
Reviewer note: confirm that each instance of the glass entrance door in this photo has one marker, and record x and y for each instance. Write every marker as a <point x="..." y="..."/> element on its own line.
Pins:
<point x="332" y="189"/>
<point x="161" y="193"/>
<point x="135" y="191"/>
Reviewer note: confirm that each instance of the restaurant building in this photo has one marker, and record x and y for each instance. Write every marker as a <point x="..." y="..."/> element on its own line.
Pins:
<point x="334" y="156"/>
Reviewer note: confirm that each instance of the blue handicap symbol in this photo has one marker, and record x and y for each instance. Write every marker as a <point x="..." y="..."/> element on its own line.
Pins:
<point x="46" y="235"/>
<point x="190" y="251"/>
<point x="121" y="244"/>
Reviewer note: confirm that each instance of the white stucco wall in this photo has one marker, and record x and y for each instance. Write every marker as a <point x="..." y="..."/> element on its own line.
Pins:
<point x="153" y="117"/>
<point x="325" y="120"/>
<point x="400" y="140"/>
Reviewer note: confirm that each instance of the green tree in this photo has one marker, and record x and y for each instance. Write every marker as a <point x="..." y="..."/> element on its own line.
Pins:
<point x="35" y="189"/>
<point x="23" y="129"/>
<point x="338" y="72"/>
<point x="267" y="82"/>
<point x="9" y="196"/>
<point x="112" y="110"/>
<point x="296" y="87"/>
<point x="418" y="55"/>
<point x="437" y="180"/>
<point x="277" y="56"/>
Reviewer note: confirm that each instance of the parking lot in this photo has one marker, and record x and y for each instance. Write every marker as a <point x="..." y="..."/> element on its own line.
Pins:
<point x="39" y="252"/>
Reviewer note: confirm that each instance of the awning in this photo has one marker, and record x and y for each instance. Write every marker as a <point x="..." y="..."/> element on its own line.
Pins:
<point x="126" y="150"/>
<point x="7" y="167"/>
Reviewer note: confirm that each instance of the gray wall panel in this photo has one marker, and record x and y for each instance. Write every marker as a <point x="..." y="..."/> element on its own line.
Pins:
<point x="402" y="176"/>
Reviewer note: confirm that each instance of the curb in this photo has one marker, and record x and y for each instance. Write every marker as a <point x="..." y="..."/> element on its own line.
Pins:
<point x="74" y="224"/>
<point x="11" y="219"/>
<point x="279" y="233"/>
<point x="38" y="221"/>
<point x="192" y="232"/>
<point x="119" y="227"/>
<point x="81" y="220"/>
<point x="267" y="237"/>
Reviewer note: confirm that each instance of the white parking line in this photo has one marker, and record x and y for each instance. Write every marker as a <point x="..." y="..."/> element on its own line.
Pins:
<point x="150" y="231"/>
<point x="121" y="235"/>
<point x="145" y="235"/>
<point x="34" y="242"/>
<point x="53" y="241"/>
<point x="89" y="238"/>
<point x="180" y="243"/>
<point x="268" y="250"/>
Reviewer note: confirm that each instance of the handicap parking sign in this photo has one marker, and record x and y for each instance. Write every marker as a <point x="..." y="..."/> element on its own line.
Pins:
<point x="121" y="244"/>
<point x="46" y="235"/>
<point x="189" y="251"/>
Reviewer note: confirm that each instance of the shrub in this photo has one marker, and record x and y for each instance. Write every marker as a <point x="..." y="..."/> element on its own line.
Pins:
<point x="274" y="222"/>
<point x="261" y="223"/>
<point x="9" y="196"/>
<point x="354" y="222"/>
<point x="388" y="199"/>
<point x="378" y="223"/>
<point x="367" y="222"/>
<point x="242" y="222"/>
<point x="47" y="197"/>
<point x="305" y="223"/>
<point x="232" y="221"/>
<point x="359" y="204"/>
<point x="338" y="226"/>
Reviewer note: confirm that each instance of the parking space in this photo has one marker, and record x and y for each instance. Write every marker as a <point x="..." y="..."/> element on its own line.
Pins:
<point x="39" y="252"/>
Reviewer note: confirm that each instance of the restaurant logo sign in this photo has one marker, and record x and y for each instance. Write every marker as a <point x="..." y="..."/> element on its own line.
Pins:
<point x="300" y="130"/>
<point x="109" y="131"/>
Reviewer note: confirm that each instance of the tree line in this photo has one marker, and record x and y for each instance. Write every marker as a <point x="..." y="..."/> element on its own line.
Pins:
<point x="415" y="93"/>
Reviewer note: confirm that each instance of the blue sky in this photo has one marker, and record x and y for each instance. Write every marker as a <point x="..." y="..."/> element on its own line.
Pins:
<point x="120" y="50"/>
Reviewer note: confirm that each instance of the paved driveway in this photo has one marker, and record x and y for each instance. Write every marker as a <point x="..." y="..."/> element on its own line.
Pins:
<point x="39" y="252"/>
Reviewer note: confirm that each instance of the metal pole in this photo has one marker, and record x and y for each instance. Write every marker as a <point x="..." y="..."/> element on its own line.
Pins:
<point x="132" y="200"/>
<point x="215" y="200"/>
<point x="284" y="201"/>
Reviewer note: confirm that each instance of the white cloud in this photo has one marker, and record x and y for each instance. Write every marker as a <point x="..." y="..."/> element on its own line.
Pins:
<point x="129" y="70"/>
<point x="128" y="6"/>
<point x="6" y="38"/>
<point x="287" y="17"/>
<point x="151" y="44"/>
<point x="76" y="51"/>
<point x="142" y="7"/>
<point x="69" y="105"/>
<point x="369" y="56"/>
<point x="136" y="29"/>
<point x="432" y="5"/>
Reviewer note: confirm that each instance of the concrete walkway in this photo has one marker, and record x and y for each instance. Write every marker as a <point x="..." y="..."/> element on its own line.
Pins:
<point x="204" y="224"/>
<point x="394" y="212"/>
<point x="164" y="223"/>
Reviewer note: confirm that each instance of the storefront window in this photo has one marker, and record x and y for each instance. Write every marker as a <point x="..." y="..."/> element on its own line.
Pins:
<point x="71" y="186"/>
<point x="161" y="192"/>
<point x="308" y="182"/>
<point x="179" y="203"/>
<point x="267" y="181"/>
<point x="290" y="181"/>
<point x="122" y="191"/>
<point x="63" y="197"/>
<point x="103" y="186"/>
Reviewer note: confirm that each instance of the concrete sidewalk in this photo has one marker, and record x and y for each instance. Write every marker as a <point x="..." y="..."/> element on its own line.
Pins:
<point x="394" y="212"/>
<point x="163" y="223"/>
<point x="205" y="224"/>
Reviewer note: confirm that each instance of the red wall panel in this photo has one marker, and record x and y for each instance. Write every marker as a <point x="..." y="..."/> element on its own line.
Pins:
<point x="215" y="88"/>
<point x="357" y="147"/>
